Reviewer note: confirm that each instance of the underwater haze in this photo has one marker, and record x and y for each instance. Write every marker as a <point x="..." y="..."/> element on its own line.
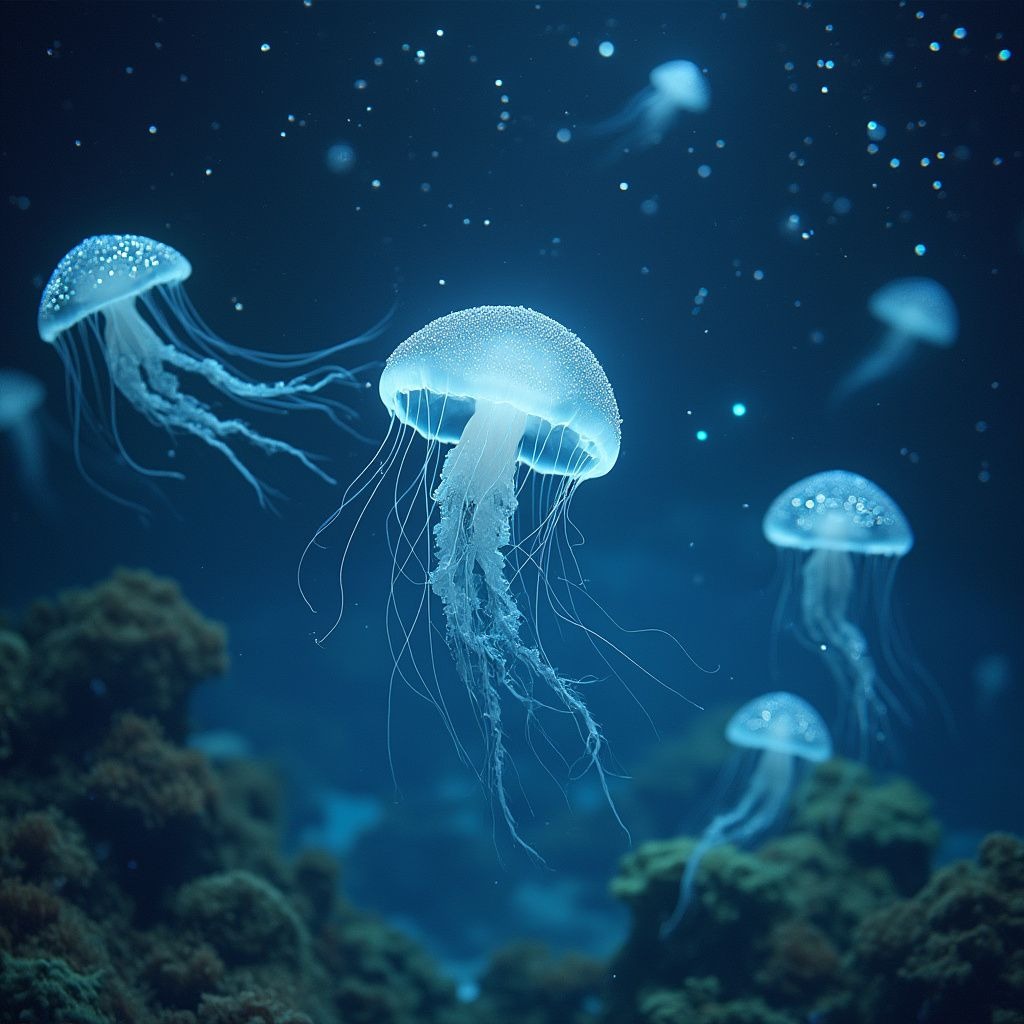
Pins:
<point x="420" y="665"/>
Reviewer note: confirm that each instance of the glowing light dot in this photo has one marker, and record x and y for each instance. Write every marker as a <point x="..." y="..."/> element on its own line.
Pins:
<point x="563" y="135"/>
<point x="894" y="162"/>
<point x="960" y="32"/>
<point x="702" y="435"/>
<point x="920" y="249"/>
<point x="739" y="409"/>
<point x="704" y="171"/>
<point x="152" y="129"/>
<point x="623" y="186"/>
<point x="264" y="47"/>
<point x="375" y="183"/>
<point x="1004" y="55"/>
<point x="936" y="184"/>
<point x="935" y="47"/>
<point x="606" y="48"/>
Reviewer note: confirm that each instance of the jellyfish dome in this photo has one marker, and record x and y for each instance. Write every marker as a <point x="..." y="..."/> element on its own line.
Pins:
<point x="918" y="307"/>
<point x="783" y="722"/>
<point x="117" y="302"/>
<point x="839" y="511"/>
<point x="838" y="525"/>
<point x="20" y="395"/>
<point x="785" y="733"/>
<point x="517" y="396"/>
<point x="683" y="84"/>
<point x="511" y="356"/>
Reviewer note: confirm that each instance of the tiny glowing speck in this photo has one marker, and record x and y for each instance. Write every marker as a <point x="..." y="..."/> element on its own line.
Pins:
<point x="960" y="32"/>
<point x="739" y="409"/>
<point x="920" y="249"/>
<point x="1004" y="55"/>
<point x="606" y="48"/>
<point x="704" y="171"/>
<point x="264" y="47"/>
<point x="702" y="435"/>
<point x="563" y="135"/>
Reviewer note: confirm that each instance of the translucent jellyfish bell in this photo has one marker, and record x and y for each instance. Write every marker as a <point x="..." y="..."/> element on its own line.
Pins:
<point x="21" y="399"/>
<point x="785" y="732"/>
<point x="914" y="310"/>
<point x="117" y="302"/>
<point x="508" y="387"/>
<point x="830" y="519"/>
<point x="676" y="87"/>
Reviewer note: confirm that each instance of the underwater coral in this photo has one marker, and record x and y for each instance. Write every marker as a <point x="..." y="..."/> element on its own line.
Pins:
<point x="142" y="882"/>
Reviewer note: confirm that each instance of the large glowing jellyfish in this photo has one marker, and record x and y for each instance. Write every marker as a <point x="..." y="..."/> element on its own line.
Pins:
<point x="677" y="86"/>
<point x="117" y="301"/>
<point x="841" y="526"/>
<point x="509" y="388"/>
<point x="786" y="732"/>
<point x="21" y="397"/>
<point x="914" y="310"/>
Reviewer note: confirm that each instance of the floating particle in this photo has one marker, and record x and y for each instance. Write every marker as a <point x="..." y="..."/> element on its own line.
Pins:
<point x="264" y="47"/>
<point x="920" y="249"/>
<point x="701" y="435"/>
<point x="704" y="171"/>
<point x="606" y="48"/>
<point x="739" y="409"/>
<point x="563" y="135"/>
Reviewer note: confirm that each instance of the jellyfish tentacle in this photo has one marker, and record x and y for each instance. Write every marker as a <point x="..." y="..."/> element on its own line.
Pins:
<point x="477" y="501"/>
<point x="893" y="351"/>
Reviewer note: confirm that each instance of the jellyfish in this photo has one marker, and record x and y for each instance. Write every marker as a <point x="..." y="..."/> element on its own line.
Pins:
<point x="515" y="394"/>
<point x="786" y="733"/>
<point x="914" y="309"/>
<point x="21" y="397"/>
<point x="675" y="87"/>
<point x="840" y="525"/>
<point x="117" y="301"/>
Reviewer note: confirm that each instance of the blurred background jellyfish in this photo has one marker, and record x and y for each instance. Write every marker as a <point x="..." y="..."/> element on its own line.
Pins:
<point x="509" y="388"/>
<point x="675" y="87"/>
<point x="840" y="526"/>
<point x="786" y="733"/>
<point x="913" y="309"/>
<point x="117" y="301"/>
<point x="21" y="400"/>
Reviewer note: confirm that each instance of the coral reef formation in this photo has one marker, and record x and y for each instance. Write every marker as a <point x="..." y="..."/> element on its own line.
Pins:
<point x="139" y="881"/>
<point x="816" y="925"/>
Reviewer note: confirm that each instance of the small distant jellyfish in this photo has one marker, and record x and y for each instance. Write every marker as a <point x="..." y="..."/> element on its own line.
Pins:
<point x="913" y="309"/>
<point x="340" y="158"/>
<point x="516" y="395"/>
<point x="842" y="529"/>
<point x="676" y="87"/>
<point x="21" y="400"/>
<point x="786" y="734"/>
<point x="117" y="302"/>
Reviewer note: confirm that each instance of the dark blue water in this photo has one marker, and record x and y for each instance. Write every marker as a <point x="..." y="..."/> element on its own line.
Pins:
<point x="208" y="127"/>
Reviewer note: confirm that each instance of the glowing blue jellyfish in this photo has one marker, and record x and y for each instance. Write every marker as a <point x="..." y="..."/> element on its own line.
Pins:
<point x="786" y="732"/>
<point x="117" y="301"/>
<point x="839" y="525"/>
<point x="676" y="87"/>
<point x="21" y="398"/>
<point x="914" y="309"/>
<point x="509" y="388"/>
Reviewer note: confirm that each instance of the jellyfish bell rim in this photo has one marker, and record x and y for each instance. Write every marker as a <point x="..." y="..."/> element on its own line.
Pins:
<point x="810" y="741"/>
<point x="573" y="432"/>
<point x="920" y="306"/>
<point x="130" y="270"/>
<point x="783" y="524"/>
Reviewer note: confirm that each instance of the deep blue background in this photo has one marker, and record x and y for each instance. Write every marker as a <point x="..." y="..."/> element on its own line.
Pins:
<point x="673" y="535"/>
